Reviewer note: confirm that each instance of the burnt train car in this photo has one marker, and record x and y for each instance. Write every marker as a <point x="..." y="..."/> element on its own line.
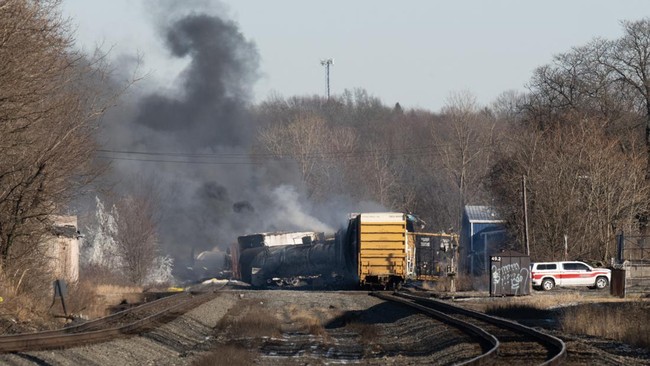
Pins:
<point x="372" y="251"/>
<point x="435" y="254"/>
<point x="260" y="259"/>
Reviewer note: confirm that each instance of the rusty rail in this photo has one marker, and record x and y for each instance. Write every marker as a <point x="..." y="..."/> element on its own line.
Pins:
<point x="427" y="305"/>
<point x="89" y="333"/>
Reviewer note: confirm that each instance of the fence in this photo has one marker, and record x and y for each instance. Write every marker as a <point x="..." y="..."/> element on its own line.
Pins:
<point x="631" y="275"/>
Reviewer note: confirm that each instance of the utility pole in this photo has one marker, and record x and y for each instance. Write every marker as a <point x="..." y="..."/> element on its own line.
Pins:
<point x="523" y="188"/>
<point x="327" y="63"/>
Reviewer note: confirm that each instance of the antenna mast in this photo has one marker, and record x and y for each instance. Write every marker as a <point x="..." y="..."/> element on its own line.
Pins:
<point x="327" y="63"/>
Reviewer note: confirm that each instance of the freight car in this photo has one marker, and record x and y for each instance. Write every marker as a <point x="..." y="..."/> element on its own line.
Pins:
<point x="261" y="259"/>
<point x="380" y="244"/>
<point x="435" y="254"/>
<point x="372" y="251"/>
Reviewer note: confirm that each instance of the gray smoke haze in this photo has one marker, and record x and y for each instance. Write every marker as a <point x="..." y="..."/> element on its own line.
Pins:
<point x="211" y="111"/>
<point x="214" y="192"/>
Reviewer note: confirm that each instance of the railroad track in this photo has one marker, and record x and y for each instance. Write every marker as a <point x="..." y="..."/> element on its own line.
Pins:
<point x="502" y="341"/>
<point x="130" y="321"/>
<point x="371" y="336"/>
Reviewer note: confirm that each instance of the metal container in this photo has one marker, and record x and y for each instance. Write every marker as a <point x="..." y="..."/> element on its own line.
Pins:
<point x="509" y="274"/>
<point x="381" y="240"/>
<point x="434" y="254"/>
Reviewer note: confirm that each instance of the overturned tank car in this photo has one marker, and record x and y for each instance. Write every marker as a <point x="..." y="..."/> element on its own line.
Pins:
<point x="316" y="261"/>
<point x="381" y="249"/>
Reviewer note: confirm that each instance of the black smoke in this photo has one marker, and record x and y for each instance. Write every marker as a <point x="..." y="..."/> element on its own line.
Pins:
<point x="211" y="111"/>
<point x="193" y="140"/>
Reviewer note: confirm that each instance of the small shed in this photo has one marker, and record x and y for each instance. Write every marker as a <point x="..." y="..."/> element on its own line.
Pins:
<point x="63" y="248"/>
<point x="631" y="272"/>
<point x="509" y="274"/>
<point x="483" y="231"/>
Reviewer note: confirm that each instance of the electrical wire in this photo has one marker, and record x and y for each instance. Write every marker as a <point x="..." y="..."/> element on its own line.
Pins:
<point x="254" y="158"/>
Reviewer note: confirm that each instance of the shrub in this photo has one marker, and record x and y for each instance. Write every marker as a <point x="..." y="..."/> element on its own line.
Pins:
<point x="629" y="322"/>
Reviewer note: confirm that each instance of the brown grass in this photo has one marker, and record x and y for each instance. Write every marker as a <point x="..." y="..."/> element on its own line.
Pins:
<point x="81" y="297"/>
<point x="116" y="289"/>
<point x="611" y="318"/>
<point x="532" y="302"/>
<point x="230" y="355"/>
<point x="249" y="319"/>
<point x="307" y="321"/>
<point x="27" y="298"/>
<point x="626" y="322"/>
<point x="245" y="326"/>
<point x="24" y="306"/>
<point x="367" y="332"/>
<point x="102" y="275"/>
<point x="443" y="284"/>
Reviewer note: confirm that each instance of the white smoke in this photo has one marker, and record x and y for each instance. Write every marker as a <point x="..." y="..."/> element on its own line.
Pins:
<point x="99" y="247"/>
<point x="292" y="212"/>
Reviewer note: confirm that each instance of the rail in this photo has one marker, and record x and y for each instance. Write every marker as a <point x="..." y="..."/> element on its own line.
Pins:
<point x="441" y="310"/>
<point x="107" y="328"/>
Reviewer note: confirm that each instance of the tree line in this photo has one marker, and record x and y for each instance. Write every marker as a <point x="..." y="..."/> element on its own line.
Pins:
<point x="580" y="134"/>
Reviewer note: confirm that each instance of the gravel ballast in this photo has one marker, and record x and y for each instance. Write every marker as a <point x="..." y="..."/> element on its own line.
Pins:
<point x="284" y="327"/>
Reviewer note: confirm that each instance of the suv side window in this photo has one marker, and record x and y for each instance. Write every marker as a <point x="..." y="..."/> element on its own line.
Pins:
<point x="546" y="266"/>
<point x="575" y="267"/>
<point x="581" y="267"/>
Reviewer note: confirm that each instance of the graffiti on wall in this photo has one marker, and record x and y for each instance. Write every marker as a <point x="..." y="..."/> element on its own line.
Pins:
<point x="509" y="279"/>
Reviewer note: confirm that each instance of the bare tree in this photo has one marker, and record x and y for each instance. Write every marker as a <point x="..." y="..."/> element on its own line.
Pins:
<point x="629" y="59"/>
<point x="464" y="146"/>
<point x="47" y="115"/>
<point x="314" y="146"/>
<point x="605" y="82"/>
<point x="580" y="183"/>
<point x="136" y="234"/>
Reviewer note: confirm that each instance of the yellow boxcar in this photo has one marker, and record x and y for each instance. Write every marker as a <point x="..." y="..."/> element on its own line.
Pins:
<point x="382" y="247"/>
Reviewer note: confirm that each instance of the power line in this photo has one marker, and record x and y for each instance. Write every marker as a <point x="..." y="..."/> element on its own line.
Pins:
<point x="318" y="154"/>
<point x="253" y="159"/>
<point x="180" y="161"/>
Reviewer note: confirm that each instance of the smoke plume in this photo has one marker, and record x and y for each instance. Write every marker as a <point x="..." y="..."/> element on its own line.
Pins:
<point x="193" y="140"/>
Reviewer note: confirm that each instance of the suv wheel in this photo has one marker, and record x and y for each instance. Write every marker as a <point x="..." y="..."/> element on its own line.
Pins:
<point x="548" y="284"/>
<point x="601" y="282"/>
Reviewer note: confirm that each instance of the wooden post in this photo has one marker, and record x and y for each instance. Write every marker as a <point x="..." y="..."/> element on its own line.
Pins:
<point x="526" y="243"/>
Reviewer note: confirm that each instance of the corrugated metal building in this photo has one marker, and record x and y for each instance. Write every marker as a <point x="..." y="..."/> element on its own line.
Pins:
<point x="483" y="232"/>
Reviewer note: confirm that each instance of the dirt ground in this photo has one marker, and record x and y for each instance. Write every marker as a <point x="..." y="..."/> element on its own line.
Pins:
<point x="280" y="327"/>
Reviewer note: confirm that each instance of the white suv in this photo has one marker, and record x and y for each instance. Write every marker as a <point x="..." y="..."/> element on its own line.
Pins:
<point x="546" y="275"/>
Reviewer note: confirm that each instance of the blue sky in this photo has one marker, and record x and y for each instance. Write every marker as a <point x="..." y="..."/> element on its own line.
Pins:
<point x="412" y="52"/>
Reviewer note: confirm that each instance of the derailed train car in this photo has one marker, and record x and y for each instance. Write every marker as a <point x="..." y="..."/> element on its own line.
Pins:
<point x="376" y="249"/>
<point x="379" y="242"/>
<point x="292" y="264"/>
<point x="435" y="254"/>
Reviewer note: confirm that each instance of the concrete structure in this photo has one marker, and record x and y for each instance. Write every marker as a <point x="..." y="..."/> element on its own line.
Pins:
<point x="63" y="248"/>
<point x="637" y="278"/>
<point x="631" y="273"/>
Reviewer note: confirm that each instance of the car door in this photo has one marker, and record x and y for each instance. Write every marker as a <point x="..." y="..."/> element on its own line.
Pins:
<point x="586" y="277"/>
<point x="576" y="274"/>
<point x="570" y="276"/>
